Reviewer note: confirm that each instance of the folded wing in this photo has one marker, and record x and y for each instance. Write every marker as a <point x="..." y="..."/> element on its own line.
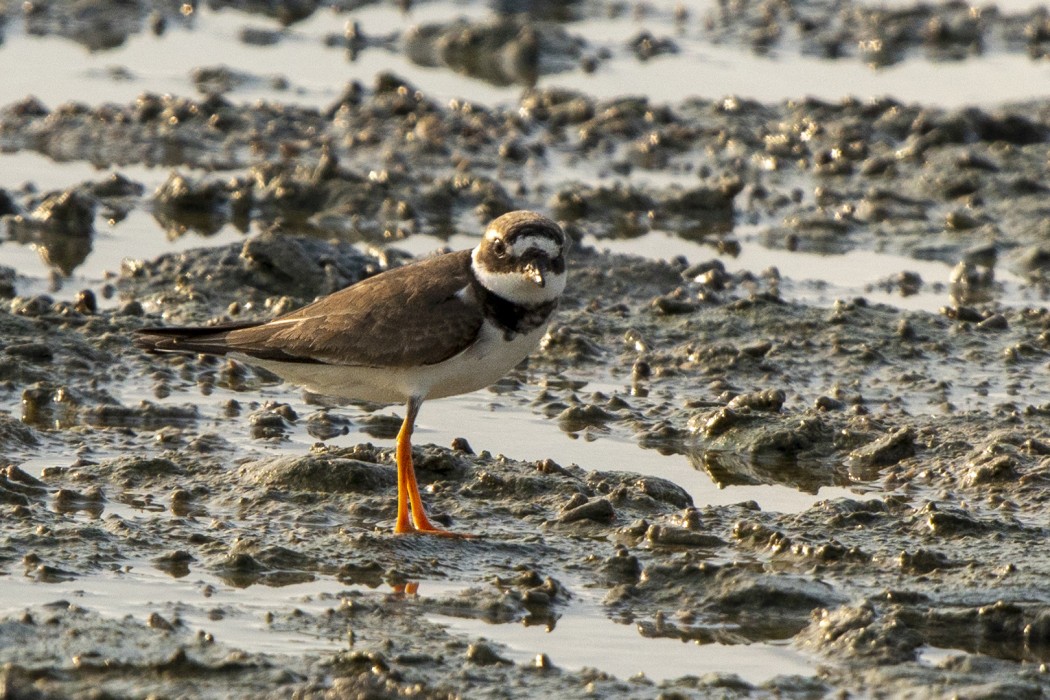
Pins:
<point x="416" y="314"/>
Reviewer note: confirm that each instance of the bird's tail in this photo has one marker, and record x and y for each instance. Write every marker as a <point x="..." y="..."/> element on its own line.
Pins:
<point x="210" y="340"/>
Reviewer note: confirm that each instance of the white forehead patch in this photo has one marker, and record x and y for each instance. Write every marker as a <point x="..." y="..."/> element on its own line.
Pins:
<point x="526" y="242"/>
<point x="543" y="243"/>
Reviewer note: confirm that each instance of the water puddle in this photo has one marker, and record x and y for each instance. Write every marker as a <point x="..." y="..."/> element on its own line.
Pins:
<point x="808" y="278"/>
<point x="483" y="419"/>
<point x="534" y="437"/>
<point x="194" y="600"/>
<point x="585" y="638"/>
<point x="732" y="71"/>
<point x="936" y="656"/>
<point x="29" y="168"/>
<point x="138" y="235"/>
<point x="238" y="617"/>
<point x="820" y="280"/>
<point x="200" y="600"/>
<point x="300" y="67"/>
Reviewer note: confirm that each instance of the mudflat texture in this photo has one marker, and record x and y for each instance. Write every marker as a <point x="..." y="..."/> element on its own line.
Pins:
<point x="930" y="580"/>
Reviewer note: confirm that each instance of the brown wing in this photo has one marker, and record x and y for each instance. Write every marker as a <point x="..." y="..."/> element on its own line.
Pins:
<point x="406" y="316"/>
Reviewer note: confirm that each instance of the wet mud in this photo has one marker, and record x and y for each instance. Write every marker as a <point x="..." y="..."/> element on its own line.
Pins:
<point x="928" y="581"/>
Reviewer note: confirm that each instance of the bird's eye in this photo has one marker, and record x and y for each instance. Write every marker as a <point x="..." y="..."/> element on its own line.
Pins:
<point x="499" y="248"/>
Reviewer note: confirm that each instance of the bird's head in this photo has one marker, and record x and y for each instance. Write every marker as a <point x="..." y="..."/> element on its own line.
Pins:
<point x="522" y="258"/>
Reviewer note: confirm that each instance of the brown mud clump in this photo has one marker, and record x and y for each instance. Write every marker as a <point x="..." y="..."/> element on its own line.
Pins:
<point x="914" y="440"/>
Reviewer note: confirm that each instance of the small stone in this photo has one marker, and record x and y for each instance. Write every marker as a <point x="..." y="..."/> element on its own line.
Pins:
<point x="132" y="308"/>
<point x="669" y="306"/>
<point x="482" y="654"/>
<point x="460" y="444"/>
<point x="86" y="303"/>
<point x="995" y="322"/>
<point x="672" y="535"/>
<point x="157" y="622"/>
<point x="885" y="451"/>
<point x="827" y="403"/>
<point x="769" y="400"/>
<point x="598" y="510"/>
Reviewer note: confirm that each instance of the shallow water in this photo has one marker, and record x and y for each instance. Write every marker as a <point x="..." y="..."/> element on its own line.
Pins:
<point x="809" y="278"/>
<point x="143" y="590"/>
<point x="316" y="73"/>
<point x="64" y="71"/>
<point x="582" y="637"/>
<point x="821" y="280"/>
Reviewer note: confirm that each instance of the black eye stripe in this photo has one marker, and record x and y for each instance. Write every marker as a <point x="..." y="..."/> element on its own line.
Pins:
<point x="506" y="263"/>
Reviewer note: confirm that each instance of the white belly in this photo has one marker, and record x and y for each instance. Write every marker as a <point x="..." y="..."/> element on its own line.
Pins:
<point x="481" y="364"/>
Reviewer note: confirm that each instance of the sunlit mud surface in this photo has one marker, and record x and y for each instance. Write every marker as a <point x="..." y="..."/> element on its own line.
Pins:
<point x="787" y="436"/>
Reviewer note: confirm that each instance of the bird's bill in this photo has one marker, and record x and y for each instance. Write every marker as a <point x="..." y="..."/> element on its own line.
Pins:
<point x="536" y="271"/>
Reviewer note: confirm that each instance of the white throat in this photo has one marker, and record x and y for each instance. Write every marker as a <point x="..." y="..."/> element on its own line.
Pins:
<point x="517" y="289"/>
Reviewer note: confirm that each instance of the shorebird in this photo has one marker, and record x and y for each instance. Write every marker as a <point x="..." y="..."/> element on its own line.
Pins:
<point x="445" y="325"/>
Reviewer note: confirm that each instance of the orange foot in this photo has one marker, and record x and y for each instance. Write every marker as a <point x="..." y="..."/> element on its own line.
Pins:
<point x="408" y="498"/>
<point x="431" y="530"/>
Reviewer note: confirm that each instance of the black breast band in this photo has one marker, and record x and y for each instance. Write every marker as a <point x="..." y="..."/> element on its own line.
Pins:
<point x="512" y="318"/>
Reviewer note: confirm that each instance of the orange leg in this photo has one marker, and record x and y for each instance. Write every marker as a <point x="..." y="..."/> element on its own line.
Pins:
<point x="408" y="498"/>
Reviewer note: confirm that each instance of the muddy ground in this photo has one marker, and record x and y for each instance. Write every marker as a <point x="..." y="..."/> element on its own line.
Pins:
<point x="937" y="420"/>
